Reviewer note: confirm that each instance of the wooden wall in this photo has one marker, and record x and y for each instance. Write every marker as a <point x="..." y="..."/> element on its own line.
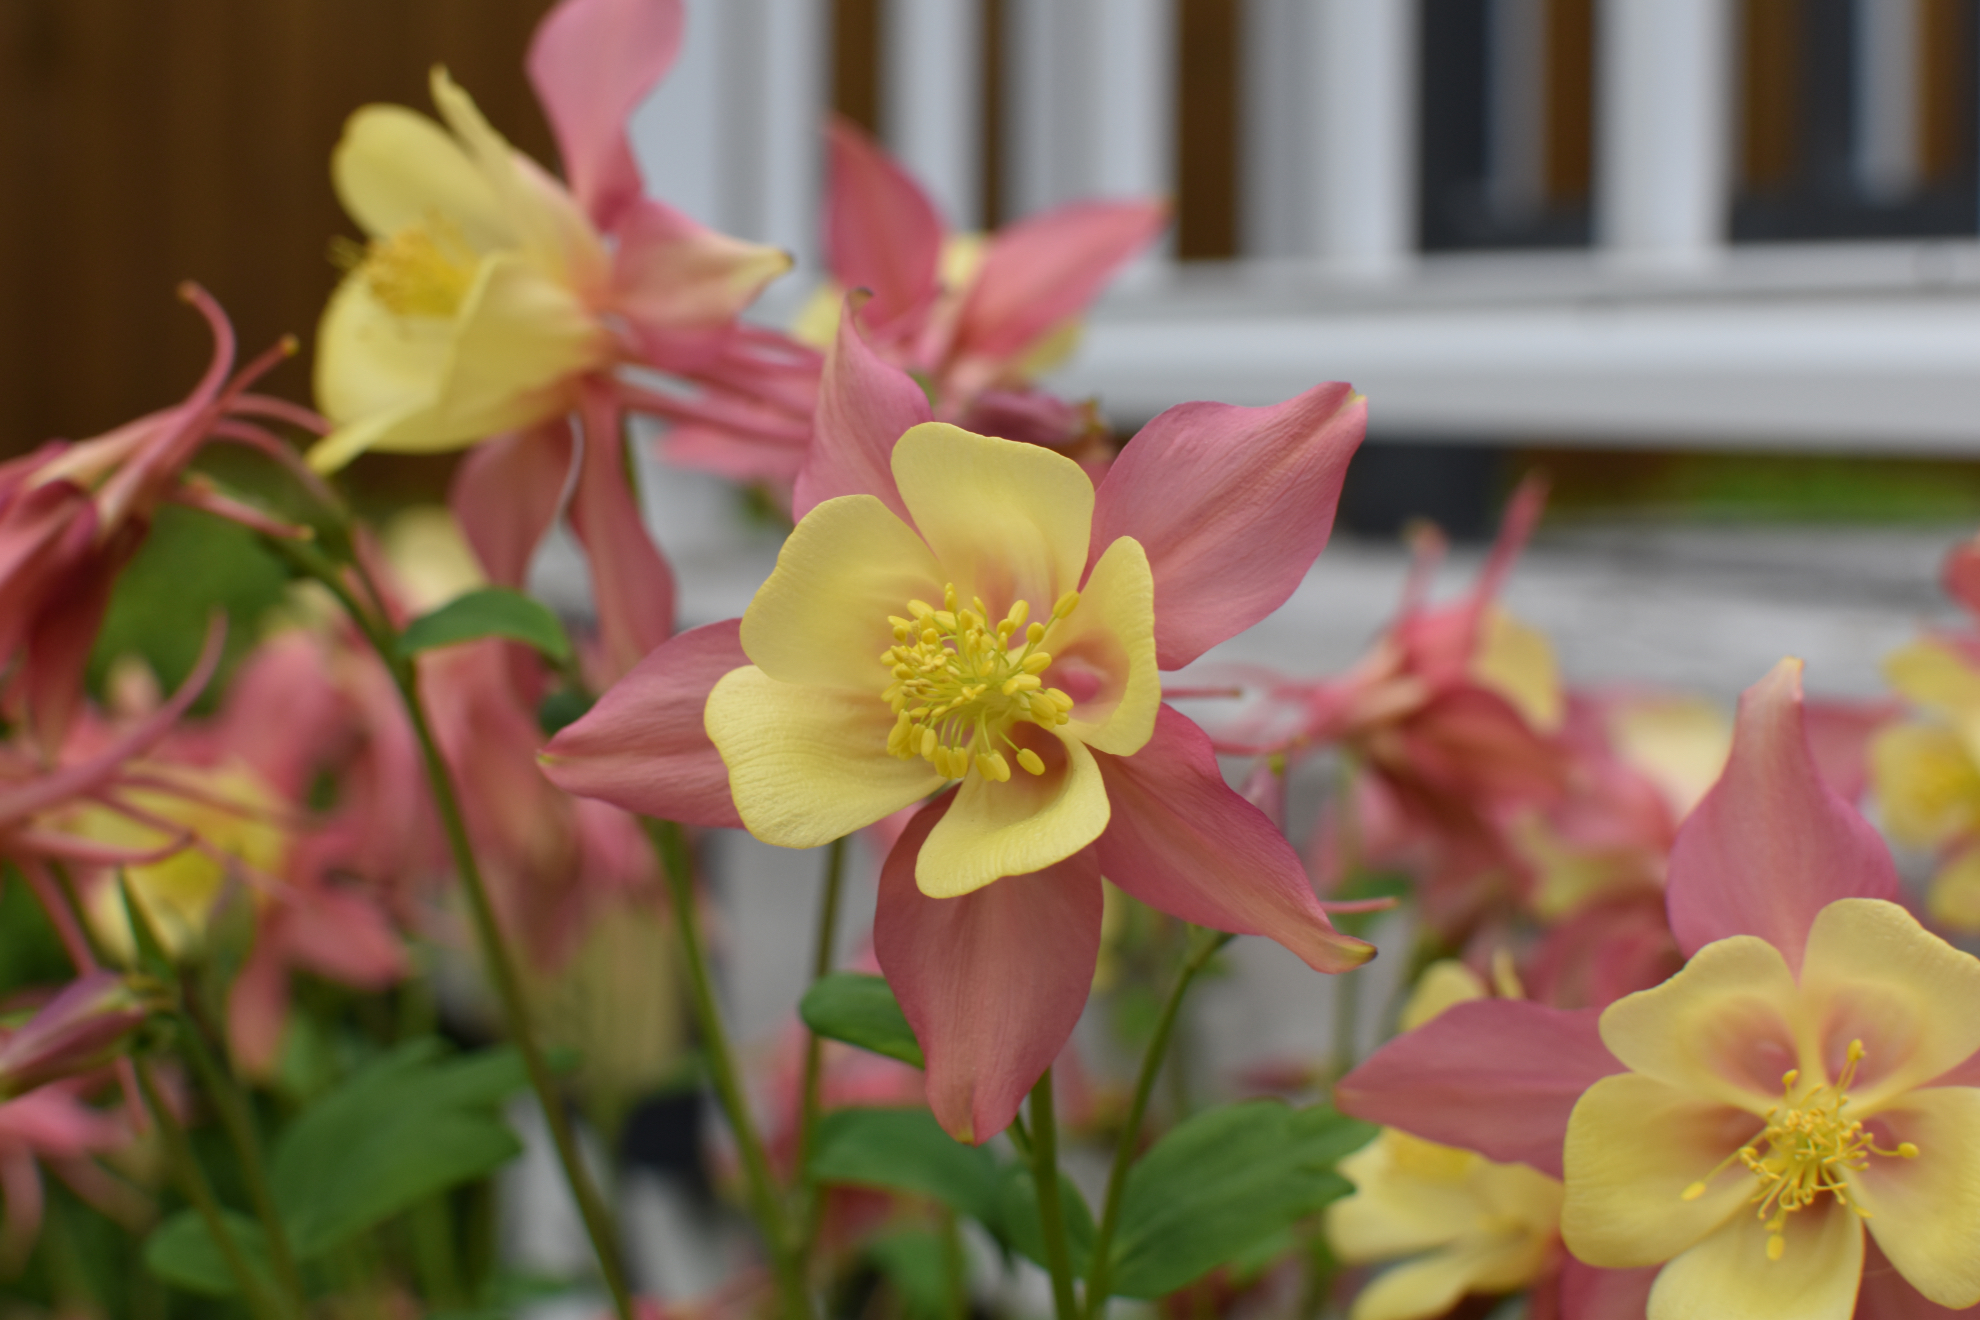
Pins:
<point x="144" y="142"/>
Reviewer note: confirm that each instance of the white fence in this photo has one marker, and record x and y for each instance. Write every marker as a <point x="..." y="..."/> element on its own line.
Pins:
<point x="1660" y="333"/>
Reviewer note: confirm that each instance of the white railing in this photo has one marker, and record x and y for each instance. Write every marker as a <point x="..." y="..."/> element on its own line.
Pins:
<point x="1660" y="333"/>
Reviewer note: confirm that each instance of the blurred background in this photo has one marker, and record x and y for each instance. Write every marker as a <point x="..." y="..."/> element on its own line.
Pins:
<point x="1706" y="256"/>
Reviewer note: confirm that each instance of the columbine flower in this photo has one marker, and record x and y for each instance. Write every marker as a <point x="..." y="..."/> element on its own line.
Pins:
<point x="1803" y="1078"/>
<point x="959" y="610"/>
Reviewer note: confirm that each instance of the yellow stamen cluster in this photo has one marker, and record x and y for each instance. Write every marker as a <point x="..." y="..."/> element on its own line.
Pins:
<point x="425" y="269"/>
<point x="960" y="682"/>
<point x="1808" y="1145"/>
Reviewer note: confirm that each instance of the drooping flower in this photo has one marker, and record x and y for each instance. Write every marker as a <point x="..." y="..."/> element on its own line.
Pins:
<point x="1805" y="1077"/>
<point x="55" y="1128"/>
<point x="959" y="610"/>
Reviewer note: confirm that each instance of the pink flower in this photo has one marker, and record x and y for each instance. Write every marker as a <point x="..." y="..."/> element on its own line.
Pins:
<point x="990" y="903"/>
<point x="55" y="1127"/>
<point x="1811" y="1003"/>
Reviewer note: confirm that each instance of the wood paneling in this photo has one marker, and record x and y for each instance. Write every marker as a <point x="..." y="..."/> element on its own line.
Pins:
<point x="1770" y="93"/>
<point x="1570" y="65"/>
<point x="149" y="143"/>
<point x="1945" y="89"/>
<point x="856" y="78"/>
<point x="1209" y="48"/>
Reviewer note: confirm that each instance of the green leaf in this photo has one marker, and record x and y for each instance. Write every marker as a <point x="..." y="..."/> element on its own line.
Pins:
<point x="916" y="1263"/>
<point x="1018" y="1206"/>
<point x="860" y="1010"/>
<point x="906" y="1150"/>
<point x="489" y="612"/>
<point x="407" y="1126"/>
<point x="181" y="1251"/>
<point x="1222" y="1183"/>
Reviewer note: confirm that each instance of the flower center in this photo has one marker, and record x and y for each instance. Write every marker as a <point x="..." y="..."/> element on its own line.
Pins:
<point x="425" y="269"/>
<point x="1804" y="1150"/>
<point x="960" y="683"/>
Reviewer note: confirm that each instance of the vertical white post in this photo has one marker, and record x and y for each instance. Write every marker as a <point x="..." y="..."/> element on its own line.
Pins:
<point x="932" y="104"/>
<point x="1040" y="132"/>
<point x="1887" y="77"/>
<point x="1132" y="83"/>
<point x="1665" y="118"/>
<point x="677" y="132"/>
<point x="1277" y="114"/>
<point x="1363" y="169"/>
<point x="794" y="39"/>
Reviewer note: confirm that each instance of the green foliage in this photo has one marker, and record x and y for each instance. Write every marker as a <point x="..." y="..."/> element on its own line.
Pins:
<point x="409" y="1125"/>
<point x="1017" y="1206"/>
<point x="1222" y="1183"/>
<point x="906" y="1150"/>
<point x="30" y="951"/>
<point x="860" y="1010"/>
<point x="489" y="612"/>
<point x="181" y="1251"/>
<point x="189" y="566"/>
<point x="917" y="1263"/>
<point x="1365" y="885"/>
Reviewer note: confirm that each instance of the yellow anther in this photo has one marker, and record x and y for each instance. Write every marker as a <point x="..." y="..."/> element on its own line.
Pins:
<point x="1065" y="605"/>
<point x="1693" y="1192"/>
<point x="945" y="620"/>
<point x="1022" y="683"/>
<point x="920" y="609"/>
<point x="1776" y="1246"/>
<point x="425" y="269"/>
<point x="1019" y="613"/>
<point x="994" y="766"/>
<point x="1031" y="761"/>
<point x="949" y="597"/>
<point x="1036" y="663"/>
<point x="1035" y="633"/>
<point x="1907" y="1151"/>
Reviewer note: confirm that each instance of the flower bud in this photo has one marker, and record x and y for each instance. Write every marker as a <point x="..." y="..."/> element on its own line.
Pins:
<point x="83" y="1027"/>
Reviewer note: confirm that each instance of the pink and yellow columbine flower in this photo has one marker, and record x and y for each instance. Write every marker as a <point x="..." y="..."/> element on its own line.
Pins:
<point x="970" y="619"/>
<point x="1806" y="1076"/>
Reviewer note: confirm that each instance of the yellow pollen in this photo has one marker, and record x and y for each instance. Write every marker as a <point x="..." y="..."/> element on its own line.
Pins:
<point x="1804" y="1151"/>
<point x="957" y="683"/>
<point x="425" y="269"/>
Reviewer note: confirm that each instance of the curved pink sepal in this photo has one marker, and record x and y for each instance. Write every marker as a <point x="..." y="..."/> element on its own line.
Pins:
<point x="1498" y="1076"/>
<point x="992" y="982"/>
<point x="1771" y="844"/>
<point x="505" y="496"/>
<point x="643" y="746"/>
<point x="592" y="62"/>
<point x="1045" y="270"/>
<point x="631" y="582"/>
<point x="1232" y="505"/>
<point x="864" y="406"/>
<point x="1182" y="841"/>
<point x="881" y="232"/>
<point x="1588" y="1293"/>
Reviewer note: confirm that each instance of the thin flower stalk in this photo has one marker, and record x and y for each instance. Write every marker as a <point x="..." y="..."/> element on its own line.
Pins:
<point x="1051" y="1214"/>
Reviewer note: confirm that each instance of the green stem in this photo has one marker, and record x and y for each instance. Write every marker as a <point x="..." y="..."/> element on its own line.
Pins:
<point x="1051" y="1216"/>
<point x="232" y="1105"/>
<point x="495" y="953"/>
<point x="763" y="1193"/>
<point x="1202" y="947"/>
<point x="192" y="1182"/>
<point x="1347" y="1014"/>
<point x="814" y="1047"/>
<point x="955" y="1268"/>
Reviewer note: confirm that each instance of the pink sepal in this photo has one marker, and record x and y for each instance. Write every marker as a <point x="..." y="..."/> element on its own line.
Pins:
<point x="992" y="982"/>
<point x="1232" y="505"/>
<point x="1771" y="844"/>
<point x="506" y="493"/>
<point x="1182" y="841"/>
<point x="1839" y="734"/>
<point x="1589" y="1293"/>
<point x="881" y="232"/>
<point x="1044" y="270"/>
<point x="643" y="746"/>
<point x="592" y="62"/>
<point x="1884" y="1294"/>
<point x="630" y="579"/>
<point x="1498" y="1076"/>
<point x="864" y="406"/>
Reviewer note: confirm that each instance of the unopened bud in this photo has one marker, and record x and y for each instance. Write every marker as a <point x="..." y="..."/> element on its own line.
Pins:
<point x="83" y="1027"/>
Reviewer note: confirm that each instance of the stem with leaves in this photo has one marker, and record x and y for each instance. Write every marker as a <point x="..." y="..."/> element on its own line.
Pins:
<point x="495" y="953"/>
<point x="814" y="1046"/>
<point x="1203" y="945"/>
<point x="1051" y="1214"/>
<point x="787" y="1255"/>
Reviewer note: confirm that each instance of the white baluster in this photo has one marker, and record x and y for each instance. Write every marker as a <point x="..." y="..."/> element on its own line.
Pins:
<point x="677" y="132"/>
<point x="1277" y="128"/>
<point x="795" y="41"/>
<point x="1887" y="60"/>
<point x="932" y="54"/>
<point x="1362" y="171"/>
<point x="1665" y="115"/>
<point x="1132" y="90"/>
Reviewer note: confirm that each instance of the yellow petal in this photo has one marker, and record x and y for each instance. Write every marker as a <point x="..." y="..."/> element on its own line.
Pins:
<point x="1926" y="783"/>
<point x="1872" y="973"/>
<point x="808" y="765"/>
<point x="1681" y="743"/>
<point x="545" y="219"/>
<point x="1634" y="1147"/>
<point x="1954" y="898"/>
<point x="817" y="320"/>
<point x="1410" y="1195"/>
<point x="1518" y="663"/>
<point x="1925" y="1212"/>
<point x="520" y="341"/>
<point x="1111" y="637"/>
<point x="1007" y="521"/>
<point x="1429" y="1286"/>
<point x="394" y="168"/>
<point x="370" y="361"/>
<point x="1444" y="984"/>
<point x="1934" y="677"/>
<point x="821" y="618"/>
<point x="1019" y="826"/>
<point x="333" y="451"/>
<point x="1728" y="1275"/>
<point x="1720" y="1030"/>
